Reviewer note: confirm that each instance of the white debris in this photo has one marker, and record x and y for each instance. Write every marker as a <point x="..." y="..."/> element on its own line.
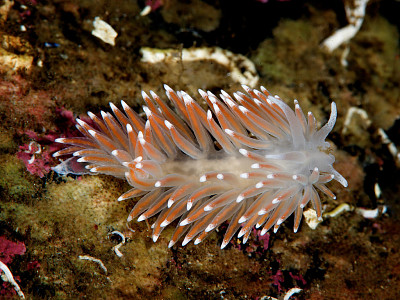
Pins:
<point x="343" y="57"/>
<point x="33" y="146"/>
<point x="96" y="260"/>
<point x="8" y="277"/>
<point x="104" y="31"/>
<point x="350" y="115"/>
<point x="310" y="217"/>
<point x="116" y="248"/>
<point x="372" y="213"/>
<point x="377" y="190"/>
<point x="242" y="70"/>
<point x="366" y="213"/>
<point x="145" y="11"/>
<point x="391" y="146"/>
<point x="355" y="13"/>
<point x="338" y="210"/>
<point x="287" y="296"/>
<point x="291" y="292"/>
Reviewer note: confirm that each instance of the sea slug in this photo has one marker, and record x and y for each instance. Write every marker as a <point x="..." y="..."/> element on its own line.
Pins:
<point x="249" y="159"/>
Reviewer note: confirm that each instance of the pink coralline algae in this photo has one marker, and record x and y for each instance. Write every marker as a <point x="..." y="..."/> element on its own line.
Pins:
<point x="264" y="239"/>
<point x="257" y="245"/>
<point x="299" y="278"/>
<point x="37" y="154"/>
<point x="278" y="279"/>
<point x="282" y="281"/>
<point x="9" y="249"/>
<point x="36" y="157"/>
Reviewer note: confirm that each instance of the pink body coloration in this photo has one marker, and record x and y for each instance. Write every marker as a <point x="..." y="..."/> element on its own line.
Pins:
<point x="249" y="159"/>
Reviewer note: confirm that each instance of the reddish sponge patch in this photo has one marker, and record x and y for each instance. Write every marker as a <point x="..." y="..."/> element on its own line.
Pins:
<point x="9" y="249"/>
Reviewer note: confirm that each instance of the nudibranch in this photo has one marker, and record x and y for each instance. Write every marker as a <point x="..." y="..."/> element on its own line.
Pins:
<point x="249" y="159"/>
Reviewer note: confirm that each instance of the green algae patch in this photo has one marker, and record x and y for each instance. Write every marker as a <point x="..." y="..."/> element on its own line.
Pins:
<point x="91" y="199"/>
<point x="282" y="58"/>
<point x="140" y="270"/>
<point x="7" y="144"/>
<point x="375" y="51"/>
<point x="74" y="219"/>
<point x="15" y="183"/>
<point x="375" y="60"/>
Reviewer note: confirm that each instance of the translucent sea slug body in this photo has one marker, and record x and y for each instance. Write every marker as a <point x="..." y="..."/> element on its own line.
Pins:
<point x="249" y="159"/>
